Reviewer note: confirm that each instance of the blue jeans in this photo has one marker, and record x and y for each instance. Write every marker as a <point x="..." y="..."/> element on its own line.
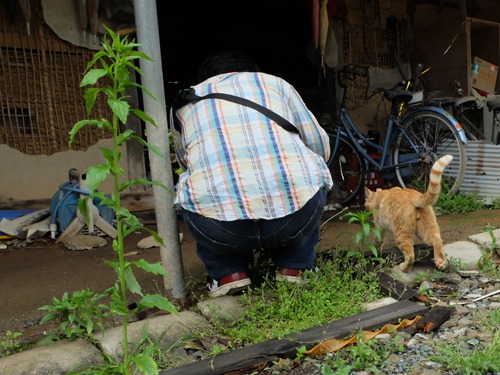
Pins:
<point x="226" y="247"/>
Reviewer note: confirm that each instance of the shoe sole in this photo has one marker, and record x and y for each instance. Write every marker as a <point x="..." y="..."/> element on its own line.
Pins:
<point x="291" y="279"/>
<point x="230" y="288"/>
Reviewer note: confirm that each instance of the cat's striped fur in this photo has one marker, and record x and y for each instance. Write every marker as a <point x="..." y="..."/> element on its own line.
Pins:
<point x="409" y="215"/>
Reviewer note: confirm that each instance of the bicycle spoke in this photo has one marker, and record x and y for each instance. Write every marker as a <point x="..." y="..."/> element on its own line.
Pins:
<point x="428" y="135"/>
<point x="347" y="168"/>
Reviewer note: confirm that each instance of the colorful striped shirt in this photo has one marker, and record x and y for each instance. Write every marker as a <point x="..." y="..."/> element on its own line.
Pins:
<point x="239" y="163"/>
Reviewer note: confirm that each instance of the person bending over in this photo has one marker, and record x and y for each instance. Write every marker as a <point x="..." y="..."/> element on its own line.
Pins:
<point x="248" y="184"/>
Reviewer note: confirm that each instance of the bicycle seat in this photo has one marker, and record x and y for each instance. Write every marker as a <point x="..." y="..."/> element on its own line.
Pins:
<point x="493" y="104"/>
<point x="466" y="101"/>
<point x="395" y="95"/>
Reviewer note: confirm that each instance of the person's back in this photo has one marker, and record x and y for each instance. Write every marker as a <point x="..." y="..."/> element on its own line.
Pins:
<point x="249" y="184"/>
<point x="242" y="165"/>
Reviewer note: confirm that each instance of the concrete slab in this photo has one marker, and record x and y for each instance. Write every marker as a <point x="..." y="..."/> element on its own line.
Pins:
<point x="486" y="240"/>
<point x="225" y="308"/>
<point x="62" y="357"/>
<point x="464" y="255"/>
<point x="413" y="277"/>
<point x="168" y="329"/>
<point x="84" y="242"/>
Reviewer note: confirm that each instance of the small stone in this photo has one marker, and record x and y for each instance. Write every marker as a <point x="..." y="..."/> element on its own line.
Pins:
<point x="453" y="278"/>
<point x="460" y="331"/>
<point x="473" y="342"/>
<point x="426" y="285"/>
<point x="422" y="336"/>
<point x="431" y="365"/>
<point x="468" y="273"/>
<point x="383" y="337"/>
<point x="494" y="305"/>
<point x="412" y="343"/>
<point x="464" y="322"/>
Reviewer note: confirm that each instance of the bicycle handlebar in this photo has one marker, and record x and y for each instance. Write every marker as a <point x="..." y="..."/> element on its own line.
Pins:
<point x="349" y="72"/>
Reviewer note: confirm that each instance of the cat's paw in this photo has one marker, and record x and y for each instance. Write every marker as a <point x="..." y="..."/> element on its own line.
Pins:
<point x="405" y="267"/>
<point x="441" y="264"/>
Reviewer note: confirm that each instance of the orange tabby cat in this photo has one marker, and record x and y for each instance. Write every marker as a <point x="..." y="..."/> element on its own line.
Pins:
<point x="408" y="214"/>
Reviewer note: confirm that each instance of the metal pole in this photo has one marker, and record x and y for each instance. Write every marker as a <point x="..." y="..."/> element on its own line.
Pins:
<point x="161" y="169"/>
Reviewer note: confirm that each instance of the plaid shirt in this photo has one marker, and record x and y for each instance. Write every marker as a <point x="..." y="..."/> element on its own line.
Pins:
<point x="239" y="163"/>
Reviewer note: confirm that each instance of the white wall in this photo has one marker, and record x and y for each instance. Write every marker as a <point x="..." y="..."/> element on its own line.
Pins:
<point x="27" y="178"/>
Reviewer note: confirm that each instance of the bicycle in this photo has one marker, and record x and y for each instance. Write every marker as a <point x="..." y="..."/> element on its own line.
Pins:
<point x="468" y="110"/>
<point x="413" y="142"/>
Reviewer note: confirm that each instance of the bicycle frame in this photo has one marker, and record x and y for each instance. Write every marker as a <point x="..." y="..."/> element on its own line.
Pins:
<point x="347" y="128"/>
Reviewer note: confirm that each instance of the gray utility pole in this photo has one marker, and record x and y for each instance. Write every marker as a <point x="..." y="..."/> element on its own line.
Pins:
<point x="161" y="169"/>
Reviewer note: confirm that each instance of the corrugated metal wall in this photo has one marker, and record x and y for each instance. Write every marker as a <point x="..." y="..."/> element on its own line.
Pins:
<point x="483" y="170"/>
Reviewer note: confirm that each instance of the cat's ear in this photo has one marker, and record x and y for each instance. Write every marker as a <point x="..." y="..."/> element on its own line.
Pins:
<point x="368" y="192"/>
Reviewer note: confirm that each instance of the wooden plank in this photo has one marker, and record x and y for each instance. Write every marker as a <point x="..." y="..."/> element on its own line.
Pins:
<point x="434" y="319"/>
<point x="243" y="359"/>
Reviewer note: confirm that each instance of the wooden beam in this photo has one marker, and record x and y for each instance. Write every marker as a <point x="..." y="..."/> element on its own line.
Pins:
<point x="255" y="356"/>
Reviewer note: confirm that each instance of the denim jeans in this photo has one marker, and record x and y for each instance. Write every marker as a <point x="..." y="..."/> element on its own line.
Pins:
<point x="226" y="247"/>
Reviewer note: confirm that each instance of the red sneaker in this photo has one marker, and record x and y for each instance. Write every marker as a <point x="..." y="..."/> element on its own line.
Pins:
<point x="228" y="285"/>
<point x="291" y="275"/>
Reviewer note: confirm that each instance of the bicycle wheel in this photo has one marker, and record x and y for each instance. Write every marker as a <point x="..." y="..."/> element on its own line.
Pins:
<point x="347" y="168"/>
<point x="427" y="136"/>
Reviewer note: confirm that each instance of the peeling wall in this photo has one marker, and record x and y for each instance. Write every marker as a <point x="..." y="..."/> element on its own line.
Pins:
<point x="37" y="178"/>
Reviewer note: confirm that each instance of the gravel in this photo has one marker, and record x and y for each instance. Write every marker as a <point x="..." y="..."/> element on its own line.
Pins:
<point x="466" y="326"/>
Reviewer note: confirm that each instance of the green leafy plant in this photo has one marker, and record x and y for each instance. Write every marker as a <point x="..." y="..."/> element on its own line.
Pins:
<point x="456" y="263"/>
<point x="77" y="315"/>
<point x="10" y="343"/>
<point x="433" y="275"/>
<point x="487" y="262"/>
<point x="495" y="203"/>
<point x="365" y="355"/>
<point x="364" y="238"/>
<point x="459" y="203"/>
<point x="108" y="74"/>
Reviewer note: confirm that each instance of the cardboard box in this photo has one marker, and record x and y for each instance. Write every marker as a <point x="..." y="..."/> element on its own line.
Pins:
<point x="484" y="75"/>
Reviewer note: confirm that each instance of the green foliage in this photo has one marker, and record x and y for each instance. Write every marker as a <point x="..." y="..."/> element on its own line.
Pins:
<point x="364" y="239"/>
<point x="276" y="309"/>
<point x="463" y="359"/>
<point x="365" y="355"/>
<point x="77" y="315"/>
<point x="108" y="74"/>
<point x="487" y="262"/>
<point x="10" y="343"/>
<point x="495" y="203"/>
<point x="433" y="275"/>
<point x="459" y="203"/>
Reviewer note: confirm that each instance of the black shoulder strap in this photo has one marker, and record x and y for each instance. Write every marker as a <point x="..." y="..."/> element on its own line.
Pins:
<point x="189" y="96"/>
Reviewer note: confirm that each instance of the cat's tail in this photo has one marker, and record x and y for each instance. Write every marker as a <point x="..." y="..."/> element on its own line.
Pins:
<point x="431" y="195"/>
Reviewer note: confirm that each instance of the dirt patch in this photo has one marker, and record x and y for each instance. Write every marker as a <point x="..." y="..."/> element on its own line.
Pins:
<point x="31" y="276"/>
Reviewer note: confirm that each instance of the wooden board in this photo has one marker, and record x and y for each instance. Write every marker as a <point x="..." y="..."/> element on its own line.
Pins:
<point x="254" y="357"/>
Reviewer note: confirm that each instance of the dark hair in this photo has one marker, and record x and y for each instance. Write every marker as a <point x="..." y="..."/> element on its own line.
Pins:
<point x="225" y="62"/>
